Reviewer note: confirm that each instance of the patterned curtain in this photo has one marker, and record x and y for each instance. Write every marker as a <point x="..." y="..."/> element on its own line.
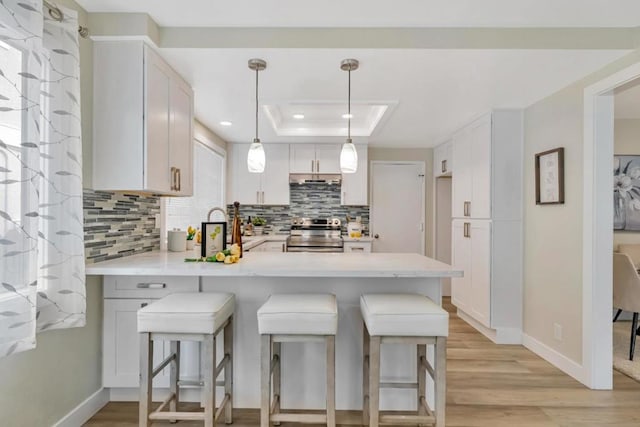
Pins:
<point x="41" y="237"/>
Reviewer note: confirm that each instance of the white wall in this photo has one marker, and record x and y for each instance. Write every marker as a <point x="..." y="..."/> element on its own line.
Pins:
<point x="627" y="141"/>
<point x="553" y="234"/>
<point x="414" y="155"/>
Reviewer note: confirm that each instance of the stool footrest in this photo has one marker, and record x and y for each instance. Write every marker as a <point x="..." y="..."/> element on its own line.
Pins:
<point x="183" y="416"/>
<point x="398" y="385"/>
<point x="299" y="418"/>
<point x="406" y="419"/>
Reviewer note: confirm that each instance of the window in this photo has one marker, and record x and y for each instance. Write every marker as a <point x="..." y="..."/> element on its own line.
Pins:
<point x="208" y="190"/>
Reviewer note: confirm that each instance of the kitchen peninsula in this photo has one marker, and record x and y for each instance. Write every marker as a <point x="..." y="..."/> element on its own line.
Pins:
<point x="136" y="280"/>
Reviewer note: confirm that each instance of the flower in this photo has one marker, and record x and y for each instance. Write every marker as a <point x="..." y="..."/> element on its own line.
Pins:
<point x="220" y="257"/>
<point x="626" y="184"/>
<point x="235" y="249"/>
<point x="228" y="259"/>
<point x="190" y="233"/>
<point x="634" y="173"/>
<point x="622" y="183"/>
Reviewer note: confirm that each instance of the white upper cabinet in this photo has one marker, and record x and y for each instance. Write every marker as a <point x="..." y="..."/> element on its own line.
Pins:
<point x="442" y="159"/>
<point x="142" y="121"/>
<point x="315" y="158"/>
<point x="268" y="188"/>
<point x="355" y="185"/>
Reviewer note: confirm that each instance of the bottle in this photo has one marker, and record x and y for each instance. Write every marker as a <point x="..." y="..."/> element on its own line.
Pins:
<point x="249" y="227"/>
<point x="236" y="232"/>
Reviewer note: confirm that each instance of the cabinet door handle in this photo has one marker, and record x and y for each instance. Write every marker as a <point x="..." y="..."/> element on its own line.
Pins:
<point x="318" y="166"/>
<point x="144" y="304"/>
<point x="262" y="198"/>
<point x="467" y="229"/>
<point x="179" y="176"/>
<point x="151" y="285"/>
<point x="467" y="208"/>
<point x="173" y="178"/>
<point x="312" y="167"/>
<point x="444" y="166"/>
<point x="283" y="247"/>
<point x="357" y="249"/>
<point x="257" y="197"/>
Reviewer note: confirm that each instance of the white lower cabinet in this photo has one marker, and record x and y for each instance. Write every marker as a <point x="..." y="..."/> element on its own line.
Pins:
<point x="121" y="341"/>
<point x="364" y="247"/>
<point x="270" y="246"/>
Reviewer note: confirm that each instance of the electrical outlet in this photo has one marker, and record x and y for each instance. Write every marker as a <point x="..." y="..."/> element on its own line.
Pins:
<point x="157" y="219"/>
<point x="557" y="331"/>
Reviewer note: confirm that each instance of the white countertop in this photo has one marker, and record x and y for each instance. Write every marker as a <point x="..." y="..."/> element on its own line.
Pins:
<point x="278" y="264"/>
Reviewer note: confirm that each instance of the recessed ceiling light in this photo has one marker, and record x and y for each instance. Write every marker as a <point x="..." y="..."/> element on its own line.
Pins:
<point x="225" y="123"/>
<point x="298" y="116"/>
<point x="347" y="116"/>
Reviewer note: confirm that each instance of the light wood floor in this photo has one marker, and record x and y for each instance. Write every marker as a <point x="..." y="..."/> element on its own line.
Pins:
<point x="487" y="385"/>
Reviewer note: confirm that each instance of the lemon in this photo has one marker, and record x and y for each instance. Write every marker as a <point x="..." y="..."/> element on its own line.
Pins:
<point x="220" y="257"/>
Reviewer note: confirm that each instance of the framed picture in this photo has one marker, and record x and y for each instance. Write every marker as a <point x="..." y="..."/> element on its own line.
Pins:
<point x="626" y="193"/>
<point x="550" y="177"/>
<point x="214" y="238"/>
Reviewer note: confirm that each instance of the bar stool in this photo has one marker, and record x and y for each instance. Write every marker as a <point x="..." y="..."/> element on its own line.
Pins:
<point x="187" y="317"/>
<point x="404" y="319"/>
<point x="295" y="318"/>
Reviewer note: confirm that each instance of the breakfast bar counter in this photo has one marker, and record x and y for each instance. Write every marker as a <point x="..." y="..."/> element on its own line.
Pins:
<point x="252" y="280"/>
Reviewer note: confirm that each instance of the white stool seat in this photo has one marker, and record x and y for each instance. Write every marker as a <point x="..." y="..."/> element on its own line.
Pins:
<point x="403" y="315"/>
<point x="299" y="314"/>
<point x="187" y="313"/>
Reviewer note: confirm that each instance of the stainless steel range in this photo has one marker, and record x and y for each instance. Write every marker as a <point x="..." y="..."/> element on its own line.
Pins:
<point x="315" y="235"/>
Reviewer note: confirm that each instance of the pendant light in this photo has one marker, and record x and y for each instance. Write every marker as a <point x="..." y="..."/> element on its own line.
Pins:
<point x="349" y="155"/>
<point x="255" y="158"/>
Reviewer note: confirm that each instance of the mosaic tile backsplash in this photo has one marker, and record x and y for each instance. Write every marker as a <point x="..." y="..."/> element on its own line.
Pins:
<point x="119" y="224"/>
<point x="315" y="200"/>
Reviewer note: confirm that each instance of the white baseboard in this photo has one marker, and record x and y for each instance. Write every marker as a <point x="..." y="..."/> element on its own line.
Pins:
<point x="552" y="356"/>
<point x="498" y="336"/>
<point x="85" y="410"/>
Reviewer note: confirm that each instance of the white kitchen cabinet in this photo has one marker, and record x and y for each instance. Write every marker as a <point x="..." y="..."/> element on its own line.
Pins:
<point x="142" y="122"/>
<point x="487" y="187"/>
<point x="442" y="159"/>
<point x="315" y="158"/>
<point x="357" y="246"/>
<point x="355" y="190"/>
<point x="268" y="188"/>
<point x="124" y="296"/>
<point x="472" y="253"/>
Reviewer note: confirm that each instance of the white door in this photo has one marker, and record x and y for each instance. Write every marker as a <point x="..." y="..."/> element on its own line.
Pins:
<point x="461" y="259"/>
<point x="328" y="158"/>
<point x="244" y="186"/>
<point x="275" y="179"/>
<point x="480" y="235"/>
<point x="303" y="158"/>
<point x="462" y="177"/>
<point x="181" y="143"/>
<point x="397" y="207"/>
<point x="480" y="168"/>
<point x="354" y="185"/>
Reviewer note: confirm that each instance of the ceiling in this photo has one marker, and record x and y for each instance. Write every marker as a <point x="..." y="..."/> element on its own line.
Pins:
<point x="428" y="93"/>
<point x="380" y="13"/>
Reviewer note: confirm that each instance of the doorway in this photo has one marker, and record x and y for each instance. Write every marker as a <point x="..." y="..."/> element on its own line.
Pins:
<point x="398" y="207"/>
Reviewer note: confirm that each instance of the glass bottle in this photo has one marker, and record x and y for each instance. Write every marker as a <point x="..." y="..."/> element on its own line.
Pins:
<point x="236" y="232"/>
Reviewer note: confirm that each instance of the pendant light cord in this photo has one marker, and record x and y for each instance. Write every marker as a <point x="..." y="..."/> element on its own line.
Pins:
<point x="256" y="103"/>
<point x="349" y="108"/>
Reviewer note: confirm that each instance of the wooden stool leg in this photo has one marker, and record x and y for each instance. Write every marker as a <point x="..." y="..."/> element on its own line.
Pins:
<point x="265" y="379"/>
<point x="374" y="381"/>
<point x="365" y="375"/>
<point x="209" y="380"/>
<point x="441" y="380"/>
<point x="228" y="371"/>
<point x="277" y="377"/>
<point x="422" y="378"/>
<point x="174" y="377"/>
<point x="146" y="368"/>
<point x="331" y="380"/>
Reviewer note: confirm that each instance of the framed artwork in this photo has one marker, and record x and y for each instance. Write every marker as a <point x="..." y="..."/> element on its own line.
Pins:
<point x="214" y="238"/>
<point x="550" y="177"/>
<point x="626" y="193"/>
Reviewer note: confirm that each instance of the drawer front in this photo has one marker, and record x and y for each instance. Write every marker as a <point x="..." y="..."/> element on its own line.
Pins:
<point x="148" y="286"/>
<point x="357" y="247"/>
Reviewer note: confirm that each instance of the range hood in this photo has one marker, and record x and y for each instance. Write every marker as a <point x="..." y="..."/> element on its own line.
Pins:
<point x="315" y="178"/>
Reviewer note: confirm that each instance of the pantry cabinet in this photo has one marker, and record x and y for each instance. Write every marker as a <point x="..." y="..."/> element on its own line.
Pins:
<point x="355" y="185"/>
<point x="315" y="158"/>
<point x="142" y="121"/>
<point x="487" y="187"/>
<point x="442" y="159"/>
<point x="268" y="188"/>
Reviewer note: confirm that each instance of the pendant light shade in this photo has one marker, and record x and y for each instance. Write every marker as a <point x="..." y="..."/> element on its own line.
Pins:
<point x="349" y="154"/>
<point x="256" y="157"/>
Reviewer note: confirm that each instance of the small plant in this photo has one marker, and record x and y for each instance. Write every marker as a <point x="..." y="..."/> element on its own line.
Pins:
<point x="191" y="232"/>
<point x="258" y="221"/>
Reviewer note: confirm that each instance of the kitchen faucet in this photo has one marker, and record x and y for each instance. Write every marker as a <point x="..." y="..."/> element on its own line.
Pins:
<point x="212" y="210"/>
